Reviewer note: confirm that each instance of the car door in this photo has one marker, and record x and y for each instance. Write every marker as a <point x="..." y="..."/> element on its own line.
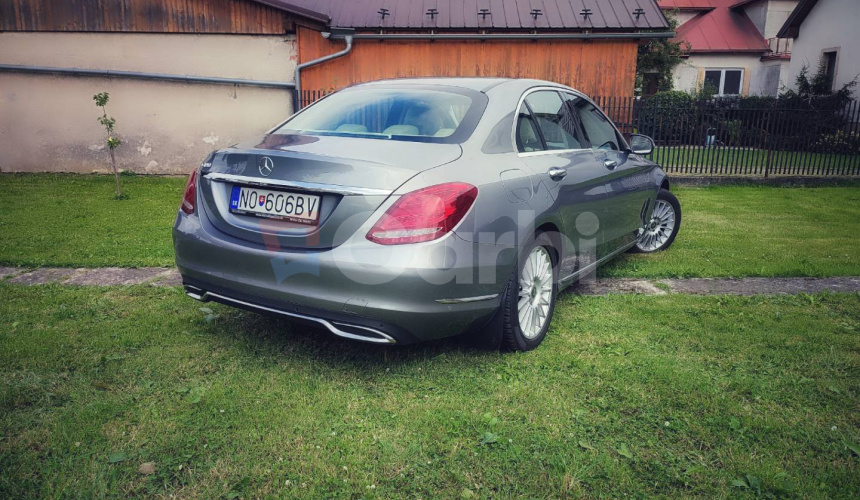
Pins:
<point x="551" y="145"/>
<point x="629" y="190"/>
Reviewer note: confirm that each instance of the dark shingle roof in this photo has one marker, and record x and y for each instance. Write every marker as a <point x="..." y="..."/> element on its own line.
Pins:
<point x="464" y="14"/>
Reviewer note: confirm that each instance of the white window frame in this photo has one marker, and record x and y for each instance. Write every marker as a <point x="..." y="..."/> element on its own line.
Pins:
<point x="723" y="80"/>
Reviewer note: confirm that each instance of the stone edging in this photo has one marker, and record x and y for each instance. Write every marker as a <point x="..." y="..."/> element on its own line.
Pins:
<point x="165" y="276"/>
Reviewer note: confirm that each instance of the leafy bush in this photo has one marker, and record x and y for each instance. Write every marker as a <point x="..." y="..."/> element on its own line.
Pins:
<point x="839" y="142"/>
<point x="811" y="116"/>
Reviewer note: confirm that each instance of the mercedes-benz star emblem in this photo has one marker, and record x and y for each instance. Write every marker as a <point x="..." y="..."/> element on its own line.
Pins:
<point x="266" y="165"/>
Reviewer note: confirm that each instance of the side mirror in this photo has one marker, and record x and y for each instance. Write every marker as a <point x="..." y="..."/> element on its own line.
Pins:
<point x="641" y="144"/>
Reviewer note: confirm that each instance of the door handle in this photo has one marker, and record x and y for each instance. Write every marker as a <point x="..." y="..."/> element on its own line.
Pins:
<point x="556" y="173"/>
<point x="610" y="164"/>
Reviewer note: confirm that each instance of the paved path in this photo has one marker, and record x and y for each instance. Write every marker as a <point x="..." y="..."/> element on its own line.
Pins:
<point x="165" y="276"/>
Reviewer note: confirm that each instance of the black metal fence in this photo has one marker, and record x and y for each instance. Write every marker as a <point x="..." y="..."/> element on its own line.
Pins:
<point x="308" y="97"/>
<point x="751" y="137"/>
<point x="763" y="137"/>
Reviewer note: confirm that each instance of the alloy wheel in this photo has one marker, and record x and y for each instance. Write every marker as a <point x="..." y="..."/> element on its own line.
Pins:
<point x="535" y="292"/>
<point x="659" y="228"/>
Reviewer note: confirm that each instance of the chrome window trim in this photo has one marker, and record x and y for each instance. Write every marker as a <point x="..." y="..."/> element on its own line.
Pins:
<point x="550" y="151"/>
<point x="304" y="186"/>
<point x="567" y="90"/>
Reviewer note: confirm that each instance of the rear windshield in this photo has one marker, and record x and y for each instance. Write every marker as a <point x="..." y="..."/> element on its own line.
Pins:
<point x="406" y="114"/>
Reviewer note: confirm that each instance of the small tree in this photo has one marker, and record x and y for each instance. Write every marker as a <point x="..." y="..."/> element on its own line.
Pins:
<point x="817" y="92"/>
<point x="660" y="56"/>
<point x="113" y="142"/>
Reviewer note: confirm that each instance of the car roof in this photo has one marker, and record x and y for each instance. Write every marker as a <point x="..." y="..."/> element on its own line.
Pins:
<point x="480" y="84"/>
<point x="474" y="83"/>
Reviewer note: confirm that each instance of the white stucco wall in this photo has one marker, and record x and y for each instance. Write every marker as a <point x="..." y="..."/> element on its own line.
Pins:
<point x="832" y="24"/>
<point x="48" y="123"/>
<point x="769" y="15"/>
<point x="683" y="17"/>
<point x="690" y="74"/>
<point x="777" y="12"/>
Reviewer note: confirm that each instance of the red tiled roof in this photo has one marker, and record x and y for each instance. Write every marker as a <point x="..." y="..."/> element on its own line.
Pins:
<point x="720" y="29"/>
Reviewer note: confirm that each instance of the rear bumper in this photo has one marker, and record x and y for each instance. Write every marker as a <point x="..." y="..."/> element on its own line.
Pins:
<point x="360" y="290"/>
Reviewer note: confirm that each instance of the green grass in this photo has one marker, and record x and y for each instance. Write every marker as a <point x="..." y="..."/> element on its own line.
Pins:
<point x="757" y="231"/>
<point x="630" y="396"/>
<point x="74" y="220"/>
<point x="68" y="220"/>
<point x="728" y="160"/>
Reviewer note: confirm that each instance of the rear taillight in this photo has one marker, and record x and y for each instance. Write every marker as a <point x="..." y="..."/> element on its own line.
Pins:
<point x="424" y="215"/>
<point x="189" y="199"/>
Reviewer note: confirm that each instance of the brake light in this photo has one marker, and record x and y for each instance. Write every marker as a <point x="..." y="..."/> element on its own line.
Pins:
<point x="424" y="215"/>
<point x="189" y="199"/>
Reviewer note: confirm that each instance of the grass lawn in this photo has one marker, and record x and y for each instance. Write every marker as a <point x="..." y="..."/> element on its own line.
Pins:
<point x="74" y="220"/>
<point x="630" y="396"/>
<point x="67" y="220"/>
<point x="724" y="160"/>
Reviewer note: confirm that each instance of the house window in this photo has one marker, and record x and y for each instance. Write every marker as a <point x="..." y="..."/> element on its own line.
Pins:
<point x="829" y="63"/>
<point x="725" y="81"/>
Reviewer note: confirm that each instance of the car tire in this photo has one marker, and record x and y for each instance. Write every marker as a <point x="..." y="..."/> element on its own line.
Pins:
<point x="663" y="226"/>
<point x="519" y="333"/>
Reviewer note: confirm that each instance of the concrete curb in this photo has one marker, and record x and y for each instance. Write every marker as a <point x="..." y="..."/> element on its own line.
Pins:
<point x="719" y="286"/>
<point x="776" y="181"/>
<point x="165" y="276"/>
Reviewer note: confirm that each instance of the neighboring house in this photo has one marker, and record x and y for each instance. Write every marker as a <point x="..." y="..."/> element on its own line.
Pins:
<point x="825" y="31"/>
<point x="48" y="121"/>
<point x="732" y="45"/>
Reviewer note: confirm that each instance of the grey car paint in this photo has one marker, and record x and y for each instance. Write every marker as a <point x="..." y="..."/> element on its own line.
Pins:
<point x="332" y="275"/>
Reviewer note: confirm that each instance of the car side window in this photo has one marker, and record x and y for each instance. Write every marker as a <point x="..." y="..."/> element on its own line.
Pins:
<point x="599" y="130"/>
<point x="553" y="119"/>
<point x="528" y="137"/>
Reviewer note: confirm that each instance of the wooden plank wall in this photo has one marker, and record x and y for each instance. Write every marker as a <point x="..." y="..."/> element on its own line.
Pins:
<point x="600" y="67"/>
<point x="155" y="16"/>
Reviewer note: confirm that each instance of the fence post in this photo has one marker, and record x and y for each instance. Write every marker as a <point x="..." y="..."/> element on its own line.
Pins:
<point x="767" y="144"/>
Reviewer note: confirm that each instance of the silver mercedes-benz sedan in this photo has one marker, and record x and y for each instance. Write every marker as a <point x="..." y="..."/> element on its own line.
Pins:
<point x="408" y="210"/>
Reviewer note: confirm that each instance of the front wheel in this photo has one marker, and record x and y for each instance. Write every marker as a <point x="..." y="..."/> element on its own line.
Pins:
<point x="529" y="300"/>
<point x="662" y="227"/>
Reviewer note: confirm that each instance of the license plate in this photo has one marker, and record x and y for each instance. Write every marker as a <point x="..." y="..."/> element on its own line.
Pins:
<point x="293" y="207"/>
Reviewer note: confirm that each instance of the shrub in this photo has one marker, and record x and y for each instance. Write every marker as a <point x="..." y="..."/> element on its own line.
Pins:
<point x="839" y="142"/>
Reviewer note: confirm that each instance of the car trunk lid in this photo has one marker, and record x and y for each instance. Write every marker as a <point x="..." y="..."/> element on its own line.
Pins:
<point x="351" y="176"/>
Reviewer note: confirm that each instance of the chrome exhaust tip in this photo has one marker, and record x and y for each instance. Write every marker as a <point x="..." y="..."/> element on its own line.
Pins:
<point x="196" y="293"/>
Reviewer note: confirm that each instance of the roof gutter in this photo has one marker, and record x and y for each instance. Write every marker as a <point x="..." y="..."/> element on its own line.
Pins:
<point x="17" y="68"/>
<point x="513" y="36"/>
<point x="336" y="34"/>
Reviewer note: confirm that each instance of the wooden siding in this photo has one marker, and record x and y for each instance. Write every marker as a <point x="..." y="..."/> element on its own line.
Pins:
<point x="155" y="16"/>
<point x="600" y="67"/>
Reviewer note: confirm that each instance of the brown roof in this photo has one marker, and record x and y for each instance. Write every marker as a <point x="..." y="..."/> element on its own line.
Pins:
<point x="791" y="28"/>
<point x="464" y="14"/>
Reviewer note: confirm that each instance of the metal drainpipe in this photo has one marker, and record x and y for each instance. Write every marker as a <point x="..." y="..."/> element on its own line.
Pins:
<point x="145" y="76"/>
<point x="300" y="67"/>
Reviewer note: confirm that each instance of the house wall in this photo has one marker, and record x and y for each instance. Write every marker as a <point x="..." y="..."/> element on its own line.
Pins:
<point x="48" y="123"/>
<point x="769" y="15"/>
<point x="599" y="67"/>
<point x="689" y="75"/>
<point x="769" y="78"/>
<point x="144" y="16"/>
<point x="684" y="16"/>
<point x="777" y="13"/>
<point x="831" y="24"/>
